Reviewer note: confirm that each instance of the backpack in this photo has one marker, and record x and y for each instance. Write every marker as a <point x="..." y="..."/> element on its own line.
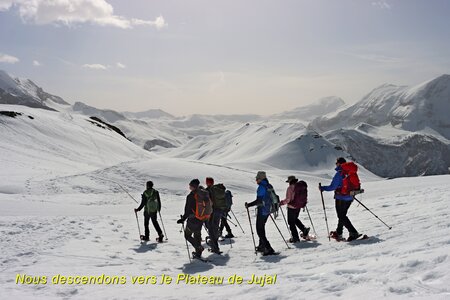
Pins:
<point x="229" y="199"/>
<point x="203" y="204"/>
<point x="273" y="202"/>
<point x="218" y="196"/>
<point x="350" y="182"/>
<point x="300" y="195"/>
<point x="152" y="203"/>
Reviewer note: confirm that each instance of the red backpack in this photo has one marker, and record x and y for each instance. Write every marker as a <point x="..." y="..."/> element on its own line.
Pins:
<point x="350" y="181"/>
<point x="300" y="195"/>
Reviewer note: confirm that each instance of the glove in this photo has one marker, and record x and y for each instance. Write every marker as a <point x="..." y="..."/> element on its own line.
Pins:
<point x="246" y="205"/>
<point x="180" y="221"/>
<point x="135" y="210"/>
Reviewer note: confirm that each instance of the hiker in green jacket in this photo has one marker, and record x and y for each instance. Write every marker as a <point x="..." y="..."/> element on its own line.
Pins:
<point x="152" y="205"/>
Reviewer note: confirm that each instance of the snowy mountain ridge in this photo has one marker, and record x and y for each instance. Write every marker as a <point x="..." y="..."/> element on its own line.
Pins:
<point x="377" y="126"/>
<point x="410" y="108"/>
<point x="20" y="91"/>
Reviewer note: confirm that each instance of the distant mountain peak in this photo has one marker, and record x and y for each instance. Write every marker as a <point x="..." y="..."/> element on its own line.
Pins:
<point x="20" y="91"/>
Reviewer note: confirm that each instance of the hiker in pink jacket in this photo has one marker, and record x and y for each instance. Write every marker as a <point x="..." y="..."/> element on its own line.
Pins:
<point x="296" y="197"/>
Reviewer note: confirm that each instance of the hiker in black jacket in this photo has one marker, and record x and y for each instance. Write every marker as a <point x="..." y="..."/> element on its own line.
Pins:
<point x="152" y="203"/>
<point x="193" y="231"/>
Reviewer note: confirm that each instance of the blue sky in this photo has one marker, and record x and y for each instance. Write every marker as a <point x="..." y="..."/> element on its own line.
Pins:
<point x="252" y="56"/>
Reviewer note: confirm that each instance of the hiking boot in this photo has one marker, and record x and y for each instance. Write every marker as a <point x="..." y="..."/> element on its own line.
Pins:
<point x="353" y="236"/>
<point x="292" y="240"/>
<point x="260" y="249"/>
<point x="268" y="252"/>
<point x="305" y="232"/>
<point x="215" y="250"/>
<point x="160" y="238"/>
<point x="336" y="236"/>
<point x="198" y="252"/>
<point x="145" y="238"/>
<point x="229" y="236"/>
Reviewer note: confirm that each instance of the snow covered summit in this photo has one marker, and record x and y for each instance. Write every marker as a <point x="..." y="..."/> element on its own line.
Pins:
<point x="20" y="91"/>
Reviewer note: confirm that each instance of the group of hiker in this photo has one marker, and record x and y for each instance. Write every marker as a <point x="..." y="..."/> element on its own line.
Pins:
<point x="209" y="207"/>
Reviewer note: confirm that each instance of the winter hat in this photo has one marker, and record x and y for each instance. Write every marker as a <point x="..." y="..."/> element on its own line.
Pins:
<point x="261" y="175"/>
<point x="194" y="183"/>
<point x="149" y="184"/>
<point x="291" y="178"/>
<point x="341" y="160"/>
<point x="209" y="180"/>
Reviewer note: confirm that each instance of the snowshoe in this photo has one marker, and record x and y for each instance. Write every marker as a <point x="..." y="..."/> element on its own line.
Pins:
<point x="229" y="236"/>
<point x="270" y="252"/>
<point x="198" y="257"/>
<point x="293" y="241"/>
<point x="358" y="237"/>
<point x="160" y="239"/>
<point x="306" y="232"/>
<point x="216" y="251"/>
<point x="259" y="249"/>
<point x="337" y="237"/>
<point x="353" y="236"/>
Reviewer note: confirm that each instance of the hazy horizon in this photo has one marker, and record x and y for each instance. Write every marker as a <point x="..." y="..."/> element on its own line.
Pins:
<point x="205" y="57"/>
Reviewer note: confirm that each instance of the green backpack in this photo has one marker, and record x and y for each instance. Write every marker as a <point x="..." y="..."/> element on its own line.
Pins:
<point x="152" y="202"/>
<point x="218" y="195"/>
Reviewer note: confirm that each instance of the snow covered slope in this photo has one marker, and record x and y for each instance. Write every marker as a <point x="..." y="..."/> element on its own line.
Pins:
<point x="396" y="131"/>
<point x="285" y="145"/>
<point x="64" y="212"/>
<point x="390" y="152"/>
<point x="25" y="92"/>
<point x="413" y="109"/>
<point x="40" y="142"/>
<point x="310" y="112"/>
<point x="84" y="224"/>
<point x="148" y="114"/>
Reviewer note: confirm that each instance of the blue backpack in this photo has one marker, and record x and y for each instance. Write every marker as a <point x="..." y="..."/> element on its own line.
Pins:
<point x="271" y="202"/>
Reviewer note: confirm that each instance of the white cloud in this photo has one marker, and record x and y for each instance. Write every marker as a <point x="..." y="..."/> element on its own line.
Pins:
<point x="72" y="12"/>
<point x="5" y="4"/>
<point x="95" y="66"/>
<point x="8" y="59"/>
<point x="377" y="58"/>
<point x="36" y="63"/>
<point x="159" y="22"/>
<point x="383" y="4"/>
<point x="120" y="65"/>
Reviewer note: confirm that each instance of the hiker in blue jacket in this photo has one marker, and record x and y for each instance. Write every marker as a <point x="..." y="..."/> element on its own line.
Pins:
<point x="264" y="204"/>
<point x="343" y="202"/>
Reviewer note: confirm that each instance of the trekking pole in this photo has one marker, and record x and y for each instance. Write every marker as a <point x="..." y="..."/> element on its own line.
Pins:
<point x="237" y="221"/>
<point x="390" y="227"/>
<point x="325" y="212"/>
<point x="127" y="192"/>
<point x="139" y="227"/>
<point x="229" y="221"/>
<point x="279" y="231"/>
<point x="311" y="221"/>
<point x="284" y="218"/>
<point x="251" y="229"/>
<point x="187" y="246"/>
<point x="162" y="223"/>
